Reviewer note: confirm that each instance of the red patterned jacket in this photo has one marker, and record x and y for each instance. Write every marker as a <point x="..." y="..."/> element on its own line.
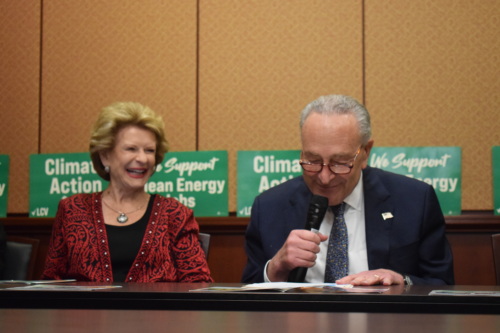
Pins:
<point x="170" y="251"/>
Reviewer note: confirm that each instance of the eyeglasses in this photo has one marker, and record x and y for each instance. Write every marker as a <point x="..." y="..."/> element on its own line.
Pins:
<point x="338" y="169"/>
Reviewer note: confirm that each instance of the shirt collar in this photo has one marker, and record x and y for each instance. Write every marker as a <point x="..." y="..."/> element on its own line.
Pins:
<point x="355" y="199"/>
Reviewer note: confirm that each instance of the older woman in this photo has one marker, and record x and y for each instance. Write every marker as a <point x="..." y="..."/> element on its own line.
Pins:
<point x="124" y="234"/>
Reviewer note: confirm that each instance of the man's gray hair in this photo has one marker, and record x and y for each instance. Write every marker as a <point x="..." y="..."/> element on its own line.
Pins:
<point x="340" y="104"/>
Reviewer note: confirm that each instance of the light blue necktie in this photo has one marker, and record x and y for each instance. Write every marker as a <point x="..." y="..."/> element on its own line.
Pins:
<point x="337" y="261"/>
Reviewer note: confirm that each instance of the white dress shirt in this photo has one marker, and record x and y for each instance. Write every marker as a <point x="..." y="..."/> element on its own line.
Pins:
<point x="354" y="215"/>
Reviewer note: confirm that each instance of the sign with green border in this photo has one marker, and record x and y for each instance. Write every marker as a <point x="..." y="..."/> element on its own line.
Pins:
<point x="4" y="184"/>
<point x="496" y="179"/>
<point x="57" y="176"/>
<point x="260" y="170"/>
<point x="440" y="167"/>
<point x="196" y="179"/>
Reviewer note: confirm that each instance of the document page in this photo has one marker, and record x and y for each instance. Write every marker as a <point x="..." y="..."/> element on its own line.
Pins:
<point x="298" y="287"/>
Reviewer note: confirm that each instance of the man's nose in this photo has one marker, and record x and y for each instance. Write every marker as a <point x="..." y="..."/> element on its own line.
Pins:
<point x="325" y="175"/>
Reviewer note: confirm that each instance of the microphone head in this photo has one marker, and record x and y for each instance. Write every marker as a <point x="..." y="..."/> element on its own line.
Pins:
<point x="317" y="210"/>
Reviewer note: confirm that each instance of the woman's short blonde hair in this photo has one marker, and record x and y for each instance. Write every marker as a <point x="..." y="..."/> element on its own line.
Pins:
<point x="117" y="116"/>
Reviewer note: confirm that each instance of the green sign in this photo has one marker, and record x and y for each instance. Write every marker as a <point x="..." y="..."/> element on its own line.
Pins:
<point x="437" y="166"/>
<point x="196" y="179"/>
<point x="4" y="184"/>
<point x="440" y="167"/>
<point x="496" y="179"/>
<point x="261" y="170"/>
<point x="57" y="176"/>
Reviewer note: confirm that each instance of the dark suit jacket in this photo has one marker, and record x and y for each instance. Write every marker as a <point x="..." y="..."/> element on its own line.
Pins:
<point x="413" y="242"/>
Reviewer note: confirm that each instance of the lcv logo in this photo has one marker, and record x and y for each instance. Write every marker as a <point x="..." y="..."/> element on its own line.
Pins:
<point x="40" y="212"/>
<point x="245" y="211"/>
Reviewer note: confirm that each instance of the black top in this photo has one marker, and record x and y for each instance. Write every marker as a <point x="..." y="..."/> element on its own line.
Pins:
<point x="124" y="243"/>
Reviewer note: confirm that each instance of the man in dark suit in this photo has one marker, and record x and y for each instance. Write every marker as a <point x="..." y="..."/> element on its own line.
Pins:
<point x="395" y="227"/>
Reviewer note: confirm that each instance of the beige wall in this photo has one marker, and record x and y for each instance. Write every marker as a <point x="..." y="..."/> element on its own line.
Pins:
<point x="234" y="75"/>
<point x="19" y="93"/>
<point x="433" y="79"/>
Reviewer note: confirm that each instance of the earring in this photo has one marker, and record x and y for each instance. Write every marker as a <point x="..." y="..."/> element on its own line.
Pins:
<point x="106" y="168"/>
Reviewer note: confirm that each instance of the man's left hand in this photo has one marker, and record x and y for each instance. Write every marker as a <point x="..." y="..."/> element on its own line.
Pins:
<point x="368" y="278"/>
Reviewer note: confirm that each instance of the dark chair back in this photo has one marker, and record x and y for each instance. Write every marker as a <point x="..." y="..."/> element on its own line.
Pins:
<point x="495" y="242"/>
<point x="204" y="242"/>
<point x="20" y="258"/>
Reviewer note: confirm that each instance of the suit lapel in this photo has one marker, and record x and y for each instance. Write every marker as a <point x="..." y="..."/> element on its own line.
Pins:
<point x="377" y="202"/>
<point x="299" y="205"/>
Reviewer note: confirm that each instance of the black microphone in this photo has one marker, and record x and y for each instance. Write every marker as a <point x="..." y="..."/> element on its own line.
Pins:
<point x="317" y="210"/>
